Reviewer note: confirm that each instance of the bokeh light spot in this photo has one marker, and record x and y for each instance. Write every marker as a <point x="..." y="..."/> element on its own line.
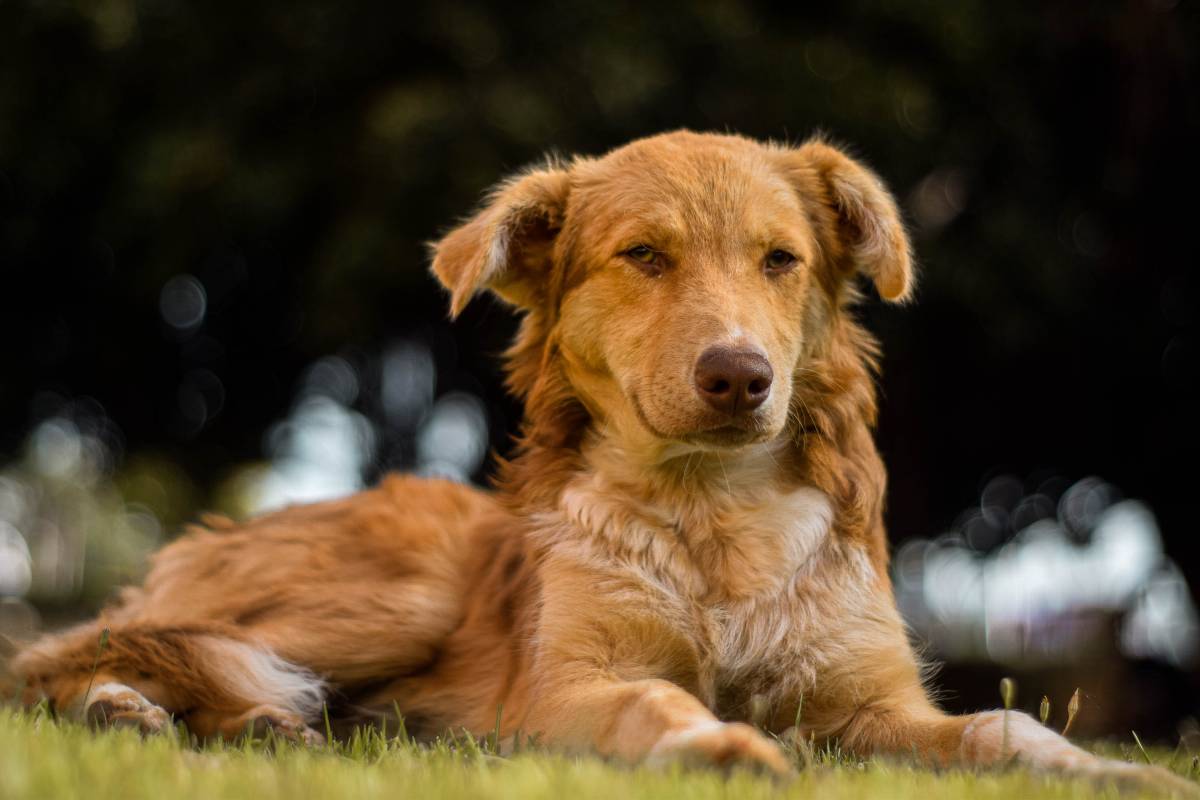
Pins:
<point x="183" y="303"/>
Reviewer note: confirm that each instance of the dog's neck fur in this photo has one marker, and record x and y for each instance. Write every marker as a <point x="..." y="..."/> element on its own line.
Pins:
<point x="827" y="447"/>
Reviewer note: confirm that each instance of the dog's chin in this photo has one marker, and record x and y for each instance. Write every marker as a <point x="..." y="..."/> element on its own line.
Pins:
<point x="732" y="435"/>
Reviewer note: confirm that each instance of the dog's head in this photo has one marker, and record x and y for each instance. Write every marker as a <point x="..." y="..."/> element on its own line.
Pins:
<point x="682" y="282"/>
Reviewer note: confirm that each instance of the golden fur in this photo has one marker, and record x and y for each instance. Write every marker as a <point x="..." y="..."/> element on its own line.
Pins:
<point x="650" y="576"/>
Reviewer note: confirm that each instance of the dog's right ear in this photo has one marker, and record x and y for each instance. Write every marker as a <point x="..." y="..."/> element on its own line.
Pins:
<point x="507" y="246"/>
<point x="870" y="233"/>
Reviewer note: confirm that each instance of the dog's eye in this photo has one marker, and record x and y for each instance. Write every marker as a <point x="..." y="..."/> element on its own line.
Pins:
<point x="642" y="253"/>
<point x="648" y="258"/>
<point x="780" y="261"/>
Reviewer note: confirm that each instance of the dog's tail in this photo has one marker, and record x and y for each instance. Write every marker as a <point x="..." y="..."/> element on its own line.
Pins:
<point x="178" y="668"/>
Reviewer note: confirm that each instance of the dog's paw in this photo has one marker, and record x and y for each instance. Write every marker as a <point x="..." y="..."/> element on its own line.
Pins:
<point x="259" y="721"/>
<point x="721" y="744"/>
<point x="114" y="705"/>
<point x="1141" y="779"/>
<point x="994" y="739"/>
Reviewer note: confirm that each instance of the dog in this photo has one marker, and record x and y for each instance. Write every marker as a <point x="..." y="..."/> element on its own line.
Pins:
<point x="687" y="551"/>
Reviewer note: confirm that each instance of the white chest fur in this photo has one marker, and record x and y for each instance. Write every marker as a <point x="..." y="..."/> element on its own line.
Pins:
<point x="704" y="549"/>
<point x="758" y="582"/>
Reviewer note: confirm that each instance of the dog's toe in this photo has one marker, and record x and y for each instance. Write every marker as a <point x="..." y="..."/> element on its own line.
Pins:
<point x="121" y="707"/>
<point x="259" y="722"/>
<point x="725" y="745"/>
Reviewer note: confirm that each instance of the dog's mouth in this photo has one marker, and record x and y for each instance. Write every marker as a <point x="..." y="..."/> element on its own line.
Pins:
<point x="737" y="431"/>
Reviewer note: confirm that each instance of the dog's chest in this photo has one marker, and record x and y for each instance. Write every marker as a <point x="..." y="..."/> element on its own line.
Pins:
<point x="751" y="586"/>
<point x="759" y="654"/>
<point x="774" y="605"/>
<point x="763" y="593"/>
<point x="759" y="648"/>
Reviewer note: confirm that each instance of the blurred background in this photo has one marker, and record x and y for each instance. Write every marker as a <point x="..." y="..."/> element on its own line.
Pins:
<point x="214" y="293"/>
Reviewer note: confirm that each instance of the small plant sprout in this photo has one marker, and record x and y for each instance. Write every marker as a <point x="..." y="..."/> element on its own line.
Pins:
<point x="95" y="665"/>
<point x="1008" y="693"/>
<point x="1072" y="710"/>
<point x="1044" y="709"/>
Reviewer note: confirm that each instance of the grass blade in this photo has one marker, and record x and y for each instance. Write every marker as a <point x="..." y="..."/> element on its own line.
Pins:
<point x="95" y="665"/>
<point x="495" y="743"/>
<point x="1141" y="747"/>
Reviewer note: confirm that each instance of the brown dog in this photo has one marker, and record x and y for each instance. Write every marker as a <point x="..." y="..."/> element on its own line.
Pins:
<point x="690" y="537"/>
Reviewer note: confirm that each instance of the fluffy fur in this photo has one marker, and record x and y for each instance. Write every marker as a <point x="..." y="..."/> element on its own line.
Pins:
<point x="649" y="575"/>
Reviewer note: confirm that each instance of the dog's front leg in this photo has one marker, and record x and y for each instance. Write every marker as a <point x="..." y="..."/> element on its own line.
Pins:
<point x="879" y="707"/>
<point x="652" y="721"/>
<point x="612" y="674"/>
<point x="996" y="739"/>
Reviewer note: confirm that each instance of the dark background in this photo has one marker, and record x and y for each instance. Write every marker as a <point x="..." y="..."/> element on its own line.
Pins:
<point x="295" y="157"/>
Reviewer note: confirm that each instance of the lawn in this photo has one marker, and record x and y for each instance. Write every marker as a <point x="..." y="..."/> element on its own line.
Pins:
<point x="43" y="758"/>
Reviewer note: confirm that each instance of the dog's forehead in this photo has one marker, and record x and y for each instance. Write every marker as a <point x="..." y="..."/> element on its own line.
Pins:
<point x="688" y="184"/>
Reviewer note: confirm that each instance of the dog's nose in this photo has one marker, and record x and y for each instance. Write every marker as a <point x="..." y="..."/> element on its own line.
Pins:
<point x="732" y="380"/>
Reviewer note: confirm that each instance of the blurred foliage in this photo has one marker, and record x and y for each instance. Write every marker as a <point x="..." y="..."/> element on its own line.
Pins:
<point x="295" y="158"/>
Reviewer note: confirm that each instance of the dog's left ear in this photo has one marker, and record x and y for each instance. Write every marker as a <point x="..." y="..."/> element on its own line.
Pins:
<point x="856" y="205"/>
<point x="507" y="246"/>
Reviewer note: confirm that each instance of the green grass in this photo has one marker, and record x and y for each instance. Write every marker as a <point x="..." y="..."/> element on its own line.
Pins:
<point x="44" y="758"/>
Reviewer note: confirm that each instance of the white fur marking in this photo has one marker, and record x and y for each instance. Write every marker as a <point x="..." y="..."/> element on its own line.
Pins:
<point x="808" y="518"/>
<point x="263" y="678"/>
<point x="497" y="257"/>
